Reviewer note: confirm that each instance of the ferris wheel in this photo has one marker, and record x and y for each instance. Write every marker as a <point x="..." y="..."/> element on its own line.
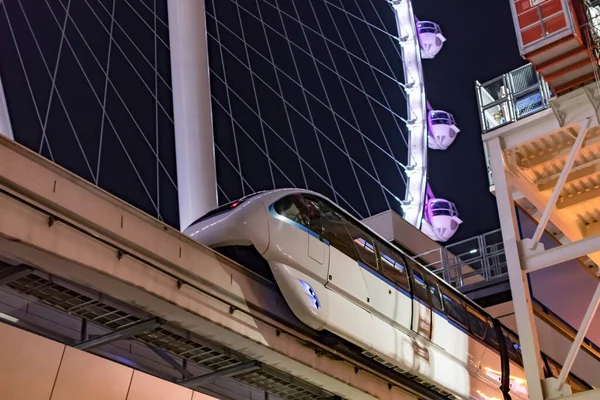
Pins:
<point x="428" y="128"/>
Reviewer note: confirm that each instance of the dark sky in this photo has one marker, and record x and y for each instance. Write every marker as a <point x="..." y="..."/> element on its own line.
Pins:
<point x="129" y="151"/>
<point x="481" y="45"/>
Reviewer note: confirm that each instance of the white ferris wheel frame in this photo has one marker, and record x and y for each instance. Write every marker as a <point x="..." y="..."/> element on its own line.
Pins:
<point x="416" y="168"/>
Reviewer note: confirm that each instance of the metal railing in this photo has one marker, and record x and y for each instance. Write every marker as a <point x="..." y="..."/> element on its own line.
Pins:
<point x="473" y="260"/>
<point x="511" y="97"/>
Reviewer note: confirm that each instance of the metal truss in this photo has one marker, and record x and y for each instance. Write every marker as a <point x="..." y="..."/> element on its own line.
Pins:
<point x="179" y="349"/>
<point x="528" y="255"/>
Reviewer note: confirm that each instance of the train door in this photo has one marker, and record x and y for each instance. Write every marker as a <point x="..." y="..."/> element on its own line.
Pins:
<point x="421" y="320"/>
<point x="317" y="247"/>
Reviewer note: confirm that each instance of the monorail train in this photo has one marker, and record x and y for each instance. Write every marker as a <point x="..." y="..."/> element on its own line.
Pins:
<point x="338" y="275"/>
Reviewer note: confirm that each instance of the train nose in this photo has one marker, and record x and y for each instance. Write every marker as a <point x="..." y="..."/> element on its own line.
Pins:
<point x="244" y="225"/>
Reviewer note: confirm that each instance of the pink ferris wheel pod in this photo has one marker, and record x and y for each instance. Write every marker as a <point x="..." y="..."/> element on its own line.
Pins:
<point x="440" y="218"/>
<point x="431" y="38"/>
<point x="427" y="128"/>
<point x="442" y="128"/>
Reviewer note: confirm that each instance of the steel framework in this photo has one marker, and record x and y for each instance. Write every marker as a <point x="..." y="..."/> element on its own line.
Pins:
<point x="526" y="255"/>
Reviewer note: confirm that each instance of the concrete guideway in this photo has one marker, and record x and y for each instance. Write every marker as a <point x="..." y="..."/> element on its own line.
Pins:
<point x="60" y="223"/>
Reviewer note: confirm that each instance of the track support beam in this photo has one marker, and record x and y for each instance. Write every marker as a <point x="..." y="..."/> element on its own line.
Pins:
<point x="226" y="372"/>
<point x="13" y="273"/>
<point x="537" y="236"/>
<point x="130" y="330"/>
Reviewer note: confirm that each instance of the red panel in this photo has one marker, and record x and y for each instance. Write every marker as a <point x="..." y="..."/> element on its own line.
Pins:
<point x="551" y="7"/>
<point x="529" y="18"/>
<point x="555" y="24"/>
<point x="532" y="34"/>
<point x="522" y="5"/>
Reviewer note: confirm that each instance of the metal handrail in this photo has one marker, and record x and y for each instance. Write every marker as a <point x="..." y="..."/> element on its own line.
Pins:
<point x="463" y="262"/>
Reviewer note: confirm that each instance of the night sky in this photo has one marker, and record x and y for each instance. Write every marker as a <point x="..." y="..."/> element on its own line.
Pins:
<point x="137" y="129"/>
<point x="481" y="45"/>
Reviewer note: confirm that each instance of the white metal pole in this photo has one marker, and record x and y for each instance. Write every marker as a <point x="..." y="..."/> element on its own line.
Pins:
<point x="583" y="126"/>
<point x="194" y="142"/>
<point x="5" y="125"/>
<point x="530" y="349"/>
<point x="585" y="325"/>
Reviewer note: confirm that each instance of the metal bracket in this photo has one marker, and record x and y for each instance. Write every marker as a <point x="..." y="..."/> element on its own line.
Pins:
<point x="226" y="372"/>
<point x="560" y="116"/>
<point x="119" y="334"/>
<point x="594" y="101"/>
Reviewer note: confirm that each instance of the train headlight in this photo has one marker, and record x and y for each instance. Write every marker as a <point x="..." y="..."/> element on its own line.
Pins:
<point x="314" y="300"/>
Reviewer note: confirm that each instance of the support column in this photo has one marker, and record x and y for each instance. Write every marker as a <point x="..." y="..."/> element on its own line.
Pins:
<point x="194" y="143"/>
<point x="539" y="231"/>
<point x="5" y="125"/>
<point x="526" y="328"/>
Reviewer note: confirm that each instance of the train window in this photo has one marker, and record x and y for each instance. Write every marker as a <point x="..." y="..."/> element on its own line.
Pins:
<point x="491" y="337"/>
<point x="363" y="242"/>
<point x="392" y="266"/>
<point x="313" y="214"/>
<point x="436" y="297"/>
<point x="419" y="283"/>
<point x="293" y="208"/>
<point x="477" y="322"/>
<point x="454" y="306"/>
<point x="335" y="232"/>
<point x="514" y="349"/>
<point x="346" y="236"/>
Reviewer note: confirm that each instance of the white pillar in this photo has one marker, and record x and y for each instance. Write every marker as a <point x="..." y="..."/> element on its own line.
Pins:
<point x="194" y="144"/>
<point x="5" y="125"/>
<point x="528" y="339"/>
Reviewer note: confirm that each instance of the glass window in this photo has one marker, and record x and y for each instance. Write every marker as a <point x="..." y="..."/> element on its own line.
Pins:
<point x="436" y="298"/>
<point x="392" y="266"/>
<point x="512" y="343"/>
<point x="454" y="306"/>
<point x="313" y="214"/>
<point x="335" y="231"/>
<point x="347" y="236"/>
<point x="477" y="322"/>
<point x="491" y="338"/>
<point x="419" y="286"/>
<point x="292" y="207"/>
<point x="363" y="242"/>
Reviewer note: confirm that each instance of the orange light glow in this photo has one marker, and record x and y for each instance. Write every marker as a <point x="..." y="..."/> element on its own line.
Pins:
<point x="516" y="384"/>
<point x="483" y="396"/>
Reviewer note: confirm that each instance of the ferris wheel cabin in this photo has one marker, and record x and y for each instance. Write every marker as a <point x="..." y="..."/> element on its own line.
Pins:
<point x="442" y="129"/>
<point x="431" y="38"/>
<point x="440" y="219"/>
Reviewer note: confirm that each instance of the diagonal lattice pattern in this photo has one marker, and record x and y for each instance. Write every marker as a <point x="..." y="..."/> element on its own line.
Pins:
<point x="308" y="94"/>
<point x="305" y="94"/>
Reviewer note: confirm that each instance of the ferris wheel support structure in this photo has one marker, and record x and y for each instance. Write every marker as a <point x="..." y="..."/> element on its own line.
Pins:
<point x="416" y="168"/>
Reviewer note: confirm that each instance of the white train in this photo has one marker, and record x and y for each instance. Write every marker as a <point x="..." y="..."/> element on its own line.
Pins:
<point x="338" y="275"/>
